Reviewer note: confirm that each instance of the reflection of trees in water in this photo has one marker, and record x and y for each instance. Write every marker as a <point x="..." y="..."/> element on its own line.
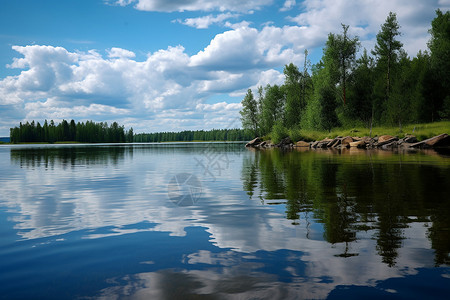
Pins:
<point x="48" y="157"/>
<point x="367" y="192"/>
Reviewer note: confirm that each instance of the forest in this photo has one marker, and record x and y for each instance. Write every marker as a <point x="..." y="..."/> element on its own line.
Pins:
<point x="89" y="132"/>
<point x="198" y="135"/>
<point x="352" y="87"/>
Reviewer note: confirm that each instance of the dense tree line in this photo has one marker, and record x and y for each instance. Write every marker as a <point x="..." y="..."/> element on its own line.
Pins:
<point x="198" y="135"/>
<point x="89" y="132"/>
<point x="350" y="87"/>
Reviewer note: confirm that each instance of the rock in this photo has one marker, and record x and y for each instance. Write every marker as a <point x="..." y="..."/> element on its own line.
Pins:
<point x="335" y="142"/>
<point x="356" y="138"/>
<point x="285" y="143"/>
<point x="384" y="138"/>
<point x="385" y="142"/>
<point x="410" y="139"/>
<point x="345" y="142"/>
<point x="324" y="143"/>
<point x="442" y="140"/>
<point x="358" y="144"/>
<point x="391" y="145"/>
<point x="302" y="144"/>
<point x="405" y="145"/>
<point x="254" y="142"/>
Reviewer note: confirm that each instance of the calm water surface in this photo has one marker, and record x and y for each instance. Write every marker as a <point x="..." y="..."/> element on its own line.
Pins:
<point x="174" y="221"/>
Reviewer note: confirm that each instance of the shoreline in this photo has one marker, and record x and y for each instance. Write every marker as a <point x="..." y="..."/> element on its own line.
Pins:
<point x="384" y="142"/>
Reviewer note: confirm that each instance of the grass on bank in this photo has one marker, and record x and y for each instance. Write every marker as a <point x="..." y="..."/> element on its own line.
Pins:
<point x="421" y="131"/>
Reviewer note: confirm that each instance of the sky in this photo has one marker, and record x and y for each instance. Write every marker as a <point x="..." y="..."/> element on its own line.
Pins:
<point x="159" y="65"/>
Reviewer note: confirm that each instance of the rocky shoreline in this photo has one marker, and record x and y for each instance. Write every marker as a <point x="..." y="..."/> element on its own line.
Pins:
<point x="386" y="142"/>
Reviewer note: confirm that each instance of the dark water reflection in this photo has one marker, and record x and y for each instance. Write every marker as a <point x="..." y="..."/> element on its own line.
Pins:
<point x="358" y="191"/>
<point x="98" y="221"/>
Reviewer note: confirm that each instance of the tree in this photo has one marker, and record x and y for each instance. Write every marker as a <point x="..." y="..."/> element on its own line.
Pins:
<point x="259" y="105"/>
<point x="360" y="104"/>
<point x="130" y="135"/>
<point x="439" y="45"/>
<point x="328" y="106"/>
<point x="305" y="81"/>
<point x="273" y="107"/>
<point x="249" y="113"/>
<point x="339" y="57"/>
<point x="72" y="130"/>
<point x="346" y="51"/>
<point x="292" y="89"/>
<point x="387" y="48"/>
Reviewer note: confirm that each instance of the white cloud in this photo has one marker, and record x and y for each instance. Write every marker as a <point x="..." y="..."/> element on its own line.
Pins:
<point x="319" y="17"/>
<point x="221" y="106"/>
<point x="206" y="21"/>
<point x="195" y="5"/>
<point x="120" y="53"/>
<point x="288" y="5"/>
<point x="247" y="48"/>
<point x="165" y="88"/>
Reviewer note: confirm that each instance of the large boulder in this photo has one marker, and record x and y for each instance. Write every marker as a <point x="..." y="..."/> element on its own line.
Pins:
<point x="384" y="138"/>
<point x="410" y="139"/>
<point x="442" y="140"/>
<point x="358" y="144"/>
<point x="302" y="144"/>
<point x="253" y="143"/>
<point x="345" y="142"/>
<point x="285" y="143"/>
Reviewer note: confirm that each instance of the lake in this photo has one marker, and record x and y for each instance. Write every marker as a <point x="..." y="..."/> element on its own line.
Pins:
<point x="219" y="221"/>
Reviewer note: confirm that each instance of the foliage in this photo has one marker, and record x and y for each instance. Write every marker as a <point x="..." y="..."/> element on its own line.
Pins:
<point x="278" y="133"/>
<point x="328" y="106"/>
<point x="89" y="132"/>
<point x="387" y="49"/>
<point x="249" y="113"/>
<point x="356" y="90"/>
<point x="198" y="135"/>
<point x="292" y="88"/>
<point x="272" y="107"/>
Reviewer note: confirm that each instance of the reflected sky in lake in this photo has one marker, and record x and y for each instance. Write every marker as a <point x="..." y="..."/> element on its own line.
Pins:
<point x="103" y="221"/>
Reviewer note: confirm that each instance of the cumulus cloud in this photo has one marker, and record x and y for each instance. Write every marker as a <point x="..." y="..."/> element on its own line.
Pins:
<point x="248" y="48"/>
<point x="288" y="5"/>
<point x="120" y="53"/>
<point x="206" y="21"/>
<point x="319" y="17"/>
<point x="195" y="5"/>
<point x="167" y="86"/>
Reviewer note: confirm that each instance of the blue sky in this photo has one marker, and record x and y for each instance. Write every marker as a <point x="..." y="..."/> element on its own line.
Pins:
<point x="158" y="65"/>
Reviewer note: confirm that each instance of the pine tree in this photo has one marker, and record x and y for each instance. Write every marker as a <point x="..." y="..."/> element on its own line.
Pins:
<point x="249" y="113"/>
<point x="387" y="49"/>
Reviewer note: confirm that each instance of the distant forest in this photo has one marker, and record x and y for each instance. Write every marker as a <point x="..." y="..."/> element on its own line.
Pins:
<point x="198" y="135"/>
<point x="91" y="132"/>
<point x="351" y="88"/>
